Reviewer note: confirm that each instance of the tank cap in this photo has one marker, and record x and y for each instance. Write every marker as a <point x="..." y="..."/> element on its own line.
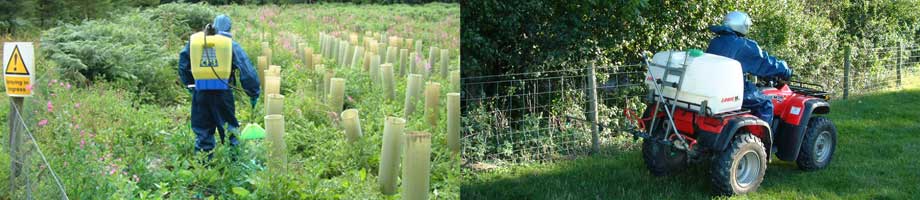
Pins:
<point x="695" y="52"/>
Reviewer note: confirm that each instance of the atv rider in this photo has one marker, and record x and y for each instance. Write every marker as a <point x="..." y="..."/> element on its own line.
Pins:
<point x="209" y="77"/>
<point x="731" y="43"/>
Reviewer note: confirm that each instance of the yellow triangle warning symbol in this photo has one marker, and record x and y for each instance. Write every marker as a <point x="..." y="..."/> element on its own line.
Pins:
<point x="16" y="66"/>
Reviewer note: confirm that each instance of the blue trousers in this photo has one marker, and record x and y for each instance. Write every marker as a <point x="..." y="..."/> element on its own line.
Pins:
<point x="213" y="110"/>
<point x="760" y="105"/>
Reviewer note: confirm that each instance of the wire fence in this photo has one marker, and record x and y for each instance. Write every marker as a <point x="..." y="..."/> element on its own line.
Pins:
<point x="548" y="115"/>
<point x="29" y="167"/>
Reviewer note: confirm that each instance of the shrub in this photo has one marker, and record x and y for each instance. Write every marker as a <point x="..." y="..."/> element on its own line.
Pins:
<point x="128" y="50"/>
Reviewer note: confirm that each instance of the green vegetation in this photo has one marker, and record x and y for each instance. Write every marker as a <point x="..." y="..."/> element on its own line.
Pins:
<point x="876" y="158"/>
<point x="534" y="43"/>
<point x="114" y="122"/>
<point x="514" y="37"/>
<point x="23" y="17"/>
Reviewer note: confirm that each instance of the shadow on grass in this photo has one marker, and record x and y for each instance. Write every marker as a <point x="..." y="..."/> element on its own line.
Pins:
<point x="876" y="158"/>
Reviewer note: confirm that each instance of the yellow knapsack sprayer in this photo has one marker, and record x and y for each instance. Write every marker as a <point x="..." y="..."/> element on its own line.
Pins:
<point x="252" y="129"/>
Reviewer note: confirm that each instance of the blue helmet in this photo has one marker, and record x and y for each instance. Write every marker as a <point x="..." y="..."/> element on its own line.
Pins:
<point x="738" y="21"/>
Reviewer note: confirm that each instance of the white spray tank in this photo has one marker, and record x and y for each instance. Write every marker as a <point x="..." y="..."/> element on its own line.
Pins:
<point x="708" y="79"/>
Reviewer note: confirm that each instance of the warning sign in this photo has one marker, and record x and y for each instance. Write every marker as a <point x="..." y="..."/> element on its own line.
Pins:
<point x="18" y="68"/>
<point x="15" y="65"/>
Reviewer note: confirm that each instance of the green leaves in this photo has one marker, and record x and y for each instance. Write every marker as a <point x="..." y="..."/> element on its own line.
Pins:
<point x="137" y="49"/>
<point x="240" y="192"/>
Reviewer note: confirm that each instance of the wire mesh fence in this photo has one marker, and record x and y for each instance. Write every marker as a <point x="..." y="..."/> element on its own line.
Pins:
<point x="29" y="167"/>
<point x="546" y="115"/>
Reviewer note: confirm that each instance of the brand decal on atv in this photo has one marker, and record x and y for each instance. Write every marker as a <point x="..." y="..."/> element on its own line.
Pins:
<point x="730" y="99"/>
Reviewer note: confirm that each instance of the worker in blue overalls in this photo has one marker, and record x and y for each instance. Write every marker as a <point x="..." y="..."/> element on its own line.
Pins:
<point x="207" y="65"/>
<point x="730" y="42"/>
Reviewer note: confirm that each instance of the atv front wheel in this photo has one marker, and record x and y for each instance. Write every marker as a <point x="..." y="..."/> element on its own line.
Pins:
<point x="819" y="144"/>
<point x="740" y="168"/>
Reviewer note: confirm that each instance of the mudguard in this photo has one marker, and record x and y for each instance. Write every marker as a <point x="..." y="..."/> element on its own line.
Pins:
<point x="719" y="141"/>
<point x="789" y="136"/>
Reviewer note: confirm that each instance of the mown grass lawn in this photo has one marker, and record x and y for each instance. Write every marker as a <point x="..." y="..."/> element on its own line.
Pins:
<point x="876" y="158"/>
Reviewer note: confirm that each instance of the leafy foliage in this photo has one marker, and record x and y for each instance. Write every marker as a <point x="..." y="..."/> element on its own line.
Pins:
<point x="127" y="49"/>
<point x="513" y="37"/>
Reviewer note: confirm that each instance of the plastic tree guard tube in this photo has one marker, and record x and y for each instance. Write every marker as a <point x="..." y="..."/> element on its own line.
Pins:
<point x="432" y="95"/>
<point x="308" y="58"/>
<point x="389" y="84"/>
<point x="418" y="47"/>
<point x="375" y="69"/>
<point x="337" y="97"/>
<point x="391" y="55"/>
<point x="358" y="56"/>
<point x="327" y="81"/>
<point x="455" y="80"/>
<point x="413" y="86"/>
<point x="432" y="57"/>
<point x="367" y="59"/>
<point x="272" y="85"/>
<point x="274" y="104"/>
<point x="401" y="63"/>
<point x="416" y="174"/>
<point x="445" y="60"/>
<point x="382" y="51"/>
<point x="390" y="153"/>
<point x="409" y="43"/>
<point x="453" y="122"/>
<point x="352" y="125"/>
<point x="411" y="61"/>
<point x="274" y="127"/>
<point x="317" y="59"/>
<point x="267" y="52"/>
<point x="260" y="68"/>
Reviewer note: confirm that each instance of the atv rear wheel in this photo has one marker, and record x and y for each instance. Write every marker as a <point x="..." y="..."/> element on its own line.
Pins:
<point x="819" y="144"/>
<point x="740" y="168"/>
<point x="661" y="159"/>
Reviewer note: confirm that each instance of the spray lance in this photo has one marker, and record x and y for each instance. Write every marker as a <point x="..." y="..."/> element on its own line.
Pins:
<point x="252" y="130"/>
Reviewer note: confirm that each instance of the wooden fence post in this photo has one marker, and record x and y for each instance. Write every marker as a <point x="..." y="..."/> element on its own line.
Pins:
<point x="846" y="72"/>
<point x="900" y="61"/>
<point x="15" y="125"/>
<point x="592" y="109"/>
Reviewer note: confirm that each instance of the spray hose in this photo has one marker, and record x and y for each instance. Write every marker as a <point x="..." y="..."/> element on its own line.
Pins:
<point x="209" y="30"/>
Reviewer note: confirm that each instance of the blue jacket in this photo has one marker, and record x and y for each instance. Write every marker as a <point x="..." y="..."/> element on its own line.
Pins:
<point x="753" y="60"/>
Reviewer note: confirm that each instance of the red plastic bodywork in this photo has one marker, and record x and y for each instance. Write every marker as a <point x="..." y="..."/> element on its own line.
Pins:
<point x="785" y="101"/>
<point x="684" y="121"/>
<point x="688" y="122"/>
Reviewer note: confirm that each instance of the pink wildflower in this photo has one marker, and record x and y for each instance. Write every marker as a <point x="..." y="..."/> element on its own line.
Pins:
<point x="350" y="99"/>
<point x="82" y="143"/>
<point x="54" y="81"/>
<point x="67" y="86"/>
<point x="43" y="122"/>
<point x="50" y="107"/>
<point x="136" y="179"/>
<point x="77" y="105"/>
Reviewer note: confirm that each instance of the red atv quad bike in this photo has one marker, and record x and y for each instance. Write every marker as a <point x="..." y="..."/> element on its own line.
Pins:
<point x="738" y="144"/>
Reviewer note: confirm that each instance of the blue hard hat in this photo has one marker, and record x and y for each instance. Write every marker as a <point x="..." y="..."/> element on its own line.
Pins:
<point x="222" y="23"/>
